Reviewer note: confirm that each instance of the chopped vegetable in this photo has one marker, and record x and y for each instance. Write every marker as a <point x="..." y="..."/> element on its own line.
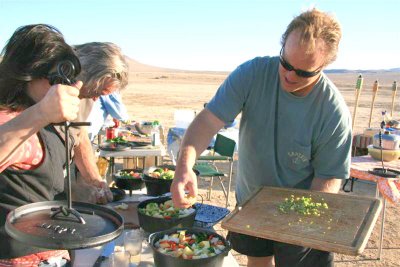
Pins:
<point x="131" y="174"/>
<point x="192" y="246"/>
<point x="117" y="140"/>
<point x="122" y="206"/>
<point x="165" y="210"/>
<point x="303" y="205"/>
<point x="164" y="173"/>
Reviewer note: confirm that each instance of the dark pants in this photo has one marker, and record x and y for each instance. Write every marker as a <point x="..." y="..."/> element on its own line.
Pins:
<point x="285" y="255"/>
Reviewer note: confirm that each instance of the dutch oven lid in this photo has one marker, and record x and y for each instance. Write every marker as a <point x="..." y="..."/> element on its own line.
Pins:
<point x="386" y="173"/>
<point x="43" y="224"/>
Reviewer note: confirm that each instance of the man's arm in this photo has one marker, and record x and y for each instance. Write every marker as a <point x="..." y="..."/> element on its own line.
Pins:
<point x="86" y="163"/>
<point x="326" y="185"/>
<point x="195" y="141"/>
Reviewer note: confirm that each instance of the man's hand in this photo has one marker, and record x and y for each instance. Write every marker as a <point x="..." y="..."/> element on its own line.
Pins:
<point x="61" y="103"/>
<point x="104" y="194"/>
<point x="185" y="179"/>
<point x="95" y="192"/>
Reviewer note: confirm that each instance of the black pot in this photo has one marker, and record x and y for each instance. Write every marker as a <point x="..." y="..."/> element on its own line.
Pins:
<point x="152" y="224"/>
<point x="127" y="183"/>
<point x="163" y="260"/>
<point x="155" y="186"/>
<point x="118" y="194"/>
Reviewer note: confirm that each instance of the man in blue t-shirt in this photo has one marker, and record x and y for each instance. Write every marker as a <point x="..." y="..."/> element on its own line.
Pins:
<point x="295" y="130"/>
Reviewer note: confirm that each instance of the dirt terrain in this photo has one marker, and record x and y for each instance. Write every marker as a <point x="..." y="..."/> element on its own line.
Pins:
<point x="155" y="93"/>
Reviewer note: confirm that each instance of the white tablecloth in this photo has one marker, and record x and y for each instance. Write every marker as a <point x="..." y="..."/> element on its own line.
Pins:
<point x="147" y="151"/>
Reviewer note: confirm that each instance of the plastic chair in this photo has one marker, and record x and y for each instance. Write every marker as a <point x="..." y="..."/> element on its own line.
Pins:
<point x="223" y="151"/>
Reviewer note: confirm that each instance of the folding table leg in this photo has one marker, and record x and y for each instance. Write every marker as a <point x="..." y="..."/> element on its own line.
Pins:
<point x="382" y="229"/>
<point x="112" y="165"/>
<point x="229" y="184"/>
<point x="111" y="170"/>
<point x="210" y="188"/>
<point x="382" y="223"/>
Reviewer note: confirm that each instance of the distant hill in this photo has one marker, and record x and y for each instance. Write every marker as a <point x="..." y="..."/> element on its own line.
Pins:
<point x="361" y="71"/>
<point x="136" y="66"/>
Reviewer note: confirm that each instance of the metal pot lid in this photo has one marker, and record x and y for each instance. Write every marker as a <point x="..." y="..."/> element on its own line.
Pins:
<point x="44" y="225"/>
<point x="386" y="173"/>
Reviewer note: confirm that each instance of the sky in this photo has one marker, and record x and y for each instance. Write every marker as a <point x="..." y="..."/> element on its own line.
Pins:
<point x="215" y="35"/>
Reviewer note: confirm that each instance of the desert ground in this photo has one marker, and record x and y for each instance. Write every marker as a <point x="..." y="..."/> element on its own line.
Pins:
<point x="155" y="93"/>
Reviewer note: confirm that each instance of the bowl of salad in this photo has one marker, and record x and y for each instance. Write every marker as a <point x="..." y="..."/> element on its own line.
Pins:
<point x="158" y="179"/>
<point x="159" y="214"/>
<point x="187" y="247"/>
<point x="129" y="179"/>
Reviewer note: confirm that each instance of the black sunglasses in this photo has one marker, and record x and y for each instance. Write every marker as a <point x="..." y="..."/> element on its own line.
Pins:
<point x="301" y="73"/>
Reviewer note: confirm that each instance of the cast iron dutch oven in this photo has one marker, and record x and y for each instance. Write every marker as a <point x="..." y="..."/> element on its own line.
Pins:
<point x="128" y="182"/>
<point x="152" y="224"/>
<point x="157" y="186"/>
<point x="163" y="260"/>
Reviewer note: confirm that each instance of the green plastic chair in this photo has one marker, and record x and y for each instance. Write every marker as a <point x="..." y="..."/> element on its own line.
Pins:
<point x="223" y="151"/>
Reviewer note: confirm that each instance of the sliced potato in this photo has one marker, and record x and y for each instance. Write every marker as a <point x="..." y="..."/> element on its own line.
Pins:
<point x="187" y="251"/>
<point x="204" y="244"/>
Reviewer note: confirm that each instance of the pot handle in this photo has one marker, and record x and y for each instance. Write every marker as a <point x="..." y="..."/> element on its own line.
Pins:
<point x="202" y="199"/>
<point x="228" y="247"/>
<point x="151" y="237"/>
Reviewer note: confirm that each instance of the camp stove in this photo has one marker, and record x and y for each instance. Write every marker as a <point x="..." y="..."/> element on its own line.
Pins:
<point x="384" y="172"/>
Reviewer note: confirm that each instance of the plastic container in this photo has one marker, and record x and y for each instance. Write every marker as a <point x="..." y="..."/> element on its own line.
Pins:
<point x="388" y="155"/>
<point x="155" y="135"/>
<point x="389" y="141"/>
<point x="183" y="118"/>
<point x="116" y="123"/>
<point x="110" y="133"/>
<point x="208" y="215"/>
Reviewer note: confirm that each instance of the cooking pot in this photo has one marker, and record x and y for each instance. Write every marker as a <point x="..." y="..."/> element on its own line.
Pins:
<point x="157" y="186"/>
<point x="152" y="224"/>
<point x="163" y="260"/>
<point x="389" y="141"/>
<point x="128" y="182"/>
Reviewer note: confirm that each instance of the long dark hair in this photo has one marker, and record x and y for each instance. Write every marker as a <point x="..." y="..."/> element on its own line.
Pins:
<point x="31" y="53"/>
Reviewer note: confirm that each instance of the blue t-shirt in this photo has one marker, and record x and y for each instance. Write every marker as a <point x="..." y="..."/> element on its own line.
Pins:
<point x="106" y="105"/>
<point x="284" y="140"/>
